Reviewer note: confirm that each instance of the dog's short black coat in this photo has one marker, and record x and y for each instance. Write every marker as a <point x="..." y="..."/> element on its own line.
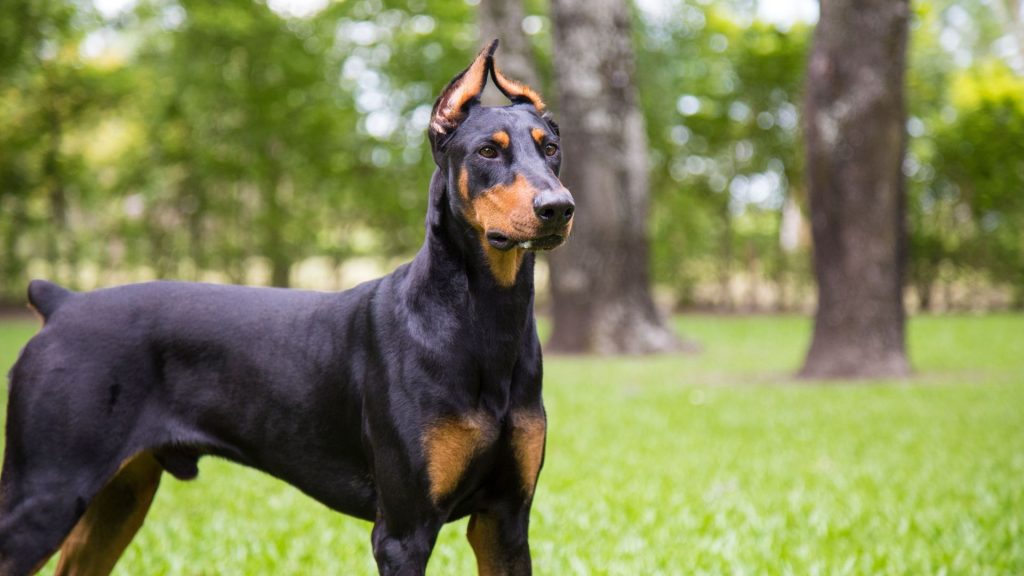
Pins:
<point x="408" y="401"/>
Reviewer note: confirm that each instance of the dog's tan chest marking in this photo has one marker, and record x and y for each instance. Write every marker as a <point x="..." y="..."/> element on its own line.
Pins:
<point x="529" y="430"/>
<point x="449" y="445"/>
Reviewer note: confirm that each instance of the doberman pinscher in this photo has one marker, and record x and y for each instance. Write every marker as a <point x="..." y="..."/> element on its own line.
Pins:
<point x="409" y="401"/>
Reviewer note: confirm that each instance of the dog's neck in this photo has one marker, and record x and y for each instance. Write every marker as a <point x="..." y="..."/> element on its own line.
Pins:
<point x="450" y="267"/>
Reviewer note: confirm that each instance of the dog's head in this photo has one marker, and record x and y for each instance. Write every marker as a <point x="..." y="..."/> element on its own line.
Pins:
<point x="501" y="166"/>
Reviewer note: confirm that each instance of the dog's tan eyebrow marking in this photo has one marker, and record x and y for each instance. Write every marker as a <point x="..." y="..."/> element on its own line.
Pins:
<point x="538" y="135"/>
<point x="501" y="138"/>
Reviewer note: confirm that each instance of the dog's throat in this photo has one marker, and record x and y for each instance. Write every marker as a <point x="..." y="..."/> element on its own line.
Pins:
<point x="504" y="264"/>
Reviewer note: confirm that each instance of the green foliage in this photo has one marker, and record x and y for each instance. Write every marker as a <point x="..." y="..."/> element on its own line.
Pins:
<point x="48" y="97"/>
<point x="713" y="463"/>
<point x="244" y="136"/>
<point x="228" y="136"/>
<point x="722" y="102"/>
<point x="229" y="141"/>
<point x="982" y="154"/>
<point x="396" y="56"/>
<point x="966" y="179"/>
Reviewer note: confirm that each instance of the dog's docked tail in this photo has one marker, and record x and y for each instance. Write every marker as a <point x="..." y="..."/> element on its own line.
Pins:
<point x="46" y="297"/>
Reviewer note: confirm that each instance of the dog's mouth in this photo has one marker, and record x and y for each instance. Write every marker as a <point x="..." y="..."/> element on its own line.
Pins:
<point x="502" y="242"/>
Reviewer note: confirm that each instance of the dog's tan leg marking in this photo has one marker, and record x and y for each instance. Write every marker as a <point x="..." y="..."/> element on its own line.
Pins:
<point x="483" y="537"/>
<point x="529" y="430"/>
<point x="449" y="445"/>
<point x="111" y="520"/>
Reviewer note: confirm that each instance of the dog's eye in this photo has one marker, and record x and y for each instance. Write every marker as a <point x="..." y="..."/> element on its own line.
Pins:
<point x="488" y="152"/>
<point x="550" y="149"/>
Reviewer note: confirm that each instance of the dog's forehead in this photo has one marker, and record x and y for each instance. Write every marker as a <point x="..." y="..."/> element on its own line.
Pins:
<point x="485" y="120"/>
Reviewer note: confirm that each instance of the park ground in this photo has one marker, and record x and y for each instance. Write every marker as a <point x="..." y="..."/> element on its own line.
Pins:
<point x="704" y="464"/>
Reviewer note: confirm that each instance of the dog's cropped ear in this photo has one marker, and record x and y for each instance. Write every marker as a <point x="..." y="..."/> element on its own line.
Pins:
<point x="517" y="92"/>
<point x="461" y="93"/>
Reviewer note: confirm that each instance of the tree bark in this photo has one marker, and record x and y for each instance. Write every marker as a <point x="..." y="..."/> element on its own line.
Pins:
<point x="503" y="19"/>
<point x="855" y="119"/>
<point x="12" y="265"/>
<point x="274" y="215"/>
<point x="60" y="246"/>
<point x="274" y="248"/>
<point x="600" y="282"/>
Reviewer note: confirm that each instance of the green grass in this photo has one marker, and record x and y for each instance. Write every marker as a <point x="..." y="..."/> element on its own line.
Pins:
<point x="713" y="463"/>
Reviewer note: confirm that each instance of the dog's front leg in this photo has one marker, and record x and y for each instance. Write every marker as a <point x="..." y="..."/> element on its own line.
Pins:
<point x="499" y="531"/>
<point x="408" y="520"/>
<point x="406" y="527"/>
<point x="499" y="540"/>
<point x="402" y="548"/>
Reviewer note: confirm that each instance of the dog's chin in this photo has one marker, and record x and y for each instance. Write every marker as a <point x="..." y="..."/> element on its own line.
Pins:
<point x="502" y="242"/>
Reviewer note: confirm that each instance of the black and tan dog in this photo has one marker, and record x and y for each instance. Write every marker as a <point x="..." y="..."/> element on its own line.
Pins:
<point x="409" y="401"/>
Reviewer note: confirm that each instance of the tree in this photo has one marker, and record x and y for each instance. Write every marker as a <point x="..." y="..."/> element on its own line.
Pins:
<point x="980" y="156"/>
<point x="722" y="103"/>
<point x="503" y="19"/>
<point x="600" y="283"/>
<point x="48" y="94"/>
<point x="855" y="117"/>
<point x="244" y="127"/>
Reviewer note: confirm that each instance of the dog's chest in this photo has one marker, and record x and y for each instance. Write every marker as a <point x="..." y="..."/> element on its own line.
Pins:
<point x="455" y="449"/>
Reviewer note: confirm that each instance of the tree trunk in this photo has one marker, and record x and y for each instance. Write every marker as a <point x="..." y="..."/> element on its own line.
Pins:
<point x="503" y="19"/>
<point x="275" y="247"/>
<point x="725" y="258"/>
<point x="924" y="295"/>
<point x="56" y="191"/>
<point x="12" y="265"/>
<point x="600" y="281"/>
<point x="855" y="118"/>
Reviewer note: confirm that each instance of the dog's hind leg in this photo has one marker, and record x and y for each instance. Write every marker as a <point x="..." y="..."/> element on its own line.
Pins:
<point x="61" y="450"/>
<point x="31" y="531"/>
<point x="43" y="490"/>
<point x="37" y="516"/>
<point x="111" y="520"/>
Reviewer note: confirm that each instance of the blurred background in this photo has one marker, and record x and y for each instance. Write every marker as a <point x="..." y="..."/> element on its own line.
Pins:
<point x="283" y="143"/>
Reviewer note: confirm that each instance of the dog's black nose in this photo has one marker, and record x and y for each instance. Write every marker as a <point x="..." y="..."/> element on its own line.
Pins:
<point x="554" y="206"/>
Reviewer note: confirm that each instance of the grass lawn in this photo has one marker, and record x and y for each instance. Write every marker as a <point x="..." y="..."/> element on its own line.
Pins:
<point x="714" y="463"/>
